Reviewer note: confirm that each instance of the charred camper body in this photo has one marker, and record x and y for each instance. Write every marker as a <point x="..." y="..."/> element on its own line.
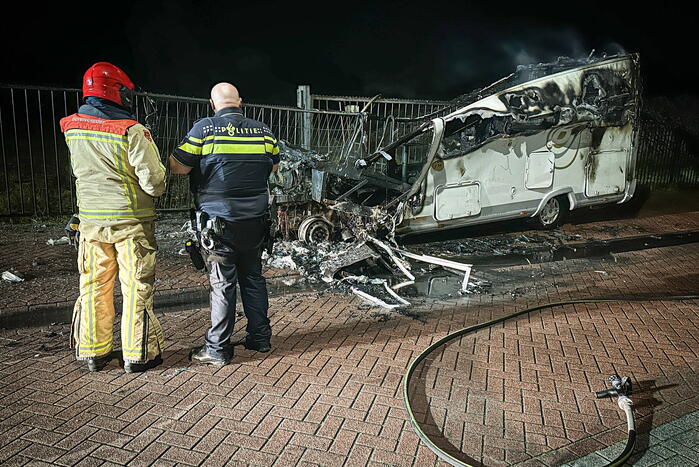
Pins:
<point x="547" y="139"/>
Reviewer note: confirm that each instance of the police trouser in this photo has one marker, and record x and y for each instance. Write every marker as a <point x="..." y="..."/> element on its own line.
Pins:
<point x="104" y="252"/>
<point x="235" y="259"/>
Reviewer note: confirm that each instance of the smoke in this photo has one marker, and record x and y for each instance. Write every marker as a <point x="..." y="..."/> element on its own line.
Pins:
<point x="543" y="45"/>
<point x="614" y="48"/>
<point x="460" y="59"/>
<point x="537" y="46"/>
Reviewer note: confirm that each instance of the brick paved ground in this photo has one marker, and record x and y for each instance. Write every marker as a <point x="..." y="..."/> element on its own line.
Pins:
<point x="329" y="393"/>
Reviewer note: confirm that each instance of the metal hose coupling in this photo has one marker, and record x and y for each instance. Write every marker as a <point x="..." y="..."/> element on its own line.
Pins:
<point x="626" y="405"/>
<point x="621" y="388"/>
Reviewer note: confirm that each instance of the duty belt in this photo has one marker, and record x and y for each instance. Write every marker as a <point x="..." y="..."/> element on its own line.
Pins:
<point x="208" y="228"/>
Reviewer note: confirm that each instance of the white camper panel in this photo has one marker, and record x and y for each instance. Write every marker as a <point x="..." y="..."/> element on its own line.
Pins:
<point x="582" y="162"/>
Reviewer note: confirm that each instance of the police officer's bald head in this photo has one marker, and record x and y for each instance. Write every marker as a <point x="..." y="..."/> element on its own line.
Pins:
<point x="225" y="95"/>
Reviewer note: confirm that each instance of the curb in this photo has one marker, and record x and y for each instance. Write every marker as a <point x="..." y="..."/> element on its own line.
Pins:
<point x="47" y="313"/>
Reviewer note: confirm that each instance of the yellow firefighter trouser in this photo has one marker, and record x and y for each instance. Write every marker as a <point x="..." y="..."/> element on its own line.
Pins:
<point x="104" y="251"/>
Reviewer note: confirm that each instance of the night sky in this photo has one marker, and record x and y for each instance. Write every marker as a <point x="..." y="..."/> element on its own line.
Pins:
<point x="398" y="49"/>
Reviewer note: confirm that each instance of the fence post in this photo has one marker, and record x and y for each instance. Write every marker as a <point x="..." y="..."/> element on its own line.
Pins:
<point x="303" y="101"/>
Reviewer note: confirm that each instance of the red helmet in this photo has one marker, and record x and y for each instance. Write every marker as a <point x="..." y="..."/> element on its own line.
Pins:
<point x="109" y="82"/>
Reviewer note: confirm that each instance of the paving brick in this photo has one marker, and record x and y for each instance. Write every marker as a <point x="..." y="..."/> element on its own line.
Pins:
<point x="210" y="441"/>
<point x="291" y="455"/>
<point x="178" y="440"/>
<point x="108" y="423"/>
<point x="245" y="441"/>
<point x="144" y="438"/>
<point x="112" y="454"/>
<point x="310" y="441"/>
<point x="43" y="437"/>
<point x="150" y="454"/>
<point x="344" y="442"/>
<point x="359" y="455"/>
<point x="329" y="427"/>
<point x="278" y="441"/>
<point x="118" y="440"/>
<point x="331" y="389"/>
<point x="90" y="462"/>
<point x="184" y="456"/>
<point x="77" y="453"/>
<point x="322" y="457"/>
<point x="20" y="460"/>
<point x="254" y="457"/>
<point x="42" y="452"/>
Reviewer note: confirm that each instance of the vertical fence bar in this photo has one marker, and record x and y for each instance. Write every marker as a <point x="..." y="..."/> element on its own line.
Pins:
<point x="4" y="164"/>
<point x="29" y="146"/>
<point x="667" y="175"/>
<point x="653" y="157"/>
<point x="43" y="153"/>
<point x="279" y="124"/>
<point x="166" y="143"/>
<point x="55" y="151"/>
<point x="303" y="101"/>
<point x="73" y="200"/>
<point x="19" y="165"/>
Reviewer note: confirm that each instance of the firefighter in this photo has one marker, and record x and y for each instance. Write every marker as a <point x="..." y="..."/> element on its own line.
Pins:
<point x="118" y="173"/>
<point x="229" y="159"/>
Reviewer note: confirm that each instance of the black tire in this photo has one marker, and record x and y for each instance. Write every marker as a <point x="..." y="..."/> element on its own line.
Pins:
<point x="552" y="214"/>
<point x="315" y="230"/>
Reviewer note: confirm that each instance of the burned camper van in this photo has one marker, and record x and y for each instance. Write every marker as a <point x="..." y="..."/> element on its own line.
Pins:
<point x="547" y="139"/>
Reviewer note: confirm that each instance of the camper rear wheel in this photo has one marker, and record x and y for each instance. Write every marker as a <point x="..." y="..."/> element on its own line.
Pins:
<point x="315" y="230"/>
<point x="552" y="213"/>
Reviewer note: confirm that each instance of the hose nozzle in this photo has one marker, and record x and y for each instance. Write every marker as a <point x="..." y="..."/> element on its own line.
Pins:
<point x="620" y="387"/>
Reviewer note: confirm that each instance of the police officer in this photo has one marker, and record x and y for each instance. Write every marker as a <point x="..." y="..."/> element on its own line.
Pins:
<point x="118" y="173"/>
<point x="229" y="159"/>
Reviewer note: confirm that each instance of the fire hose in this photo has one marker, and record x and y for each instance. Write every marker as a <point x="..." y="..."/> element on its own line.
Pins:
<point x="621" y="387"/>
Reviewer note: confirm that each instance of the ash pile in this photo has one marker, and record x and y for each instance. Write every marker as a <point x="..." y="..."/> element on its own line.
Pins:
<point x="366" y="260"/>
<point x="372" y="269"/>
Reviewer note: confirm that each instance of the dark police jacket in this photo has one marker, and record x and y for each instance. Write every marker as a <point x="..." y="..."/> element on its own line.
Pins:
<point x="231" y="158"/>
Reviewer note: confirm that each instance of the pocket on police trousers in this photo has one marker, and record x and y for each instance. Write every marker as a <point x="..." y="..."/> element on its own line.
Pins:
<point x="215" y="275"/>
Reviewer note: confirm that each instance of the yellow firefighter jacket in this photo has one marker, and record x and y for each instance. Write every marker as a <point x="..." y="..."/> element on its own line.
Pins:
<point x="117" y="167"/>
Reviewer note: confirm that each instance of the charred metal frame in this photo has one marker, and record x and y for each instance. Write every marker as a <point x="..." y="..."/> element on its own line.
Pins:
<point x="604" y="99"/>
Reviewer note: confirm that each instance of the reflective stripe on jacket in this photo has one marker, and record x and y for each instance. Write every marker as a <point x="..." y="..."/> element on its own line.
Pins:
<point x="231" y="157"/>
<point x="117" y="167"/>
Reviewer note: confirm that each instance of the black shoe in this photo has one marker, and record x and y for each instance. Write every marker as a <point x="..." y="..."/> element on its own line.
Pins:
<point x="263" y="347"/>
<point x="199" y="354"/>
<point x="130" y="367"/>
<point x="97" y="363"/>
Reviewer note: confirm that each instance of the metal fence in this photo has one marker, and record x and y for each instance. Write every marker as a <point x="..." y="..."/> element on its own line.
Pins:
<point x="667" y="156"/>
<point x="35" y="162"/>
<point x="36" y="177"/>
<point x="383" y="120"/>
